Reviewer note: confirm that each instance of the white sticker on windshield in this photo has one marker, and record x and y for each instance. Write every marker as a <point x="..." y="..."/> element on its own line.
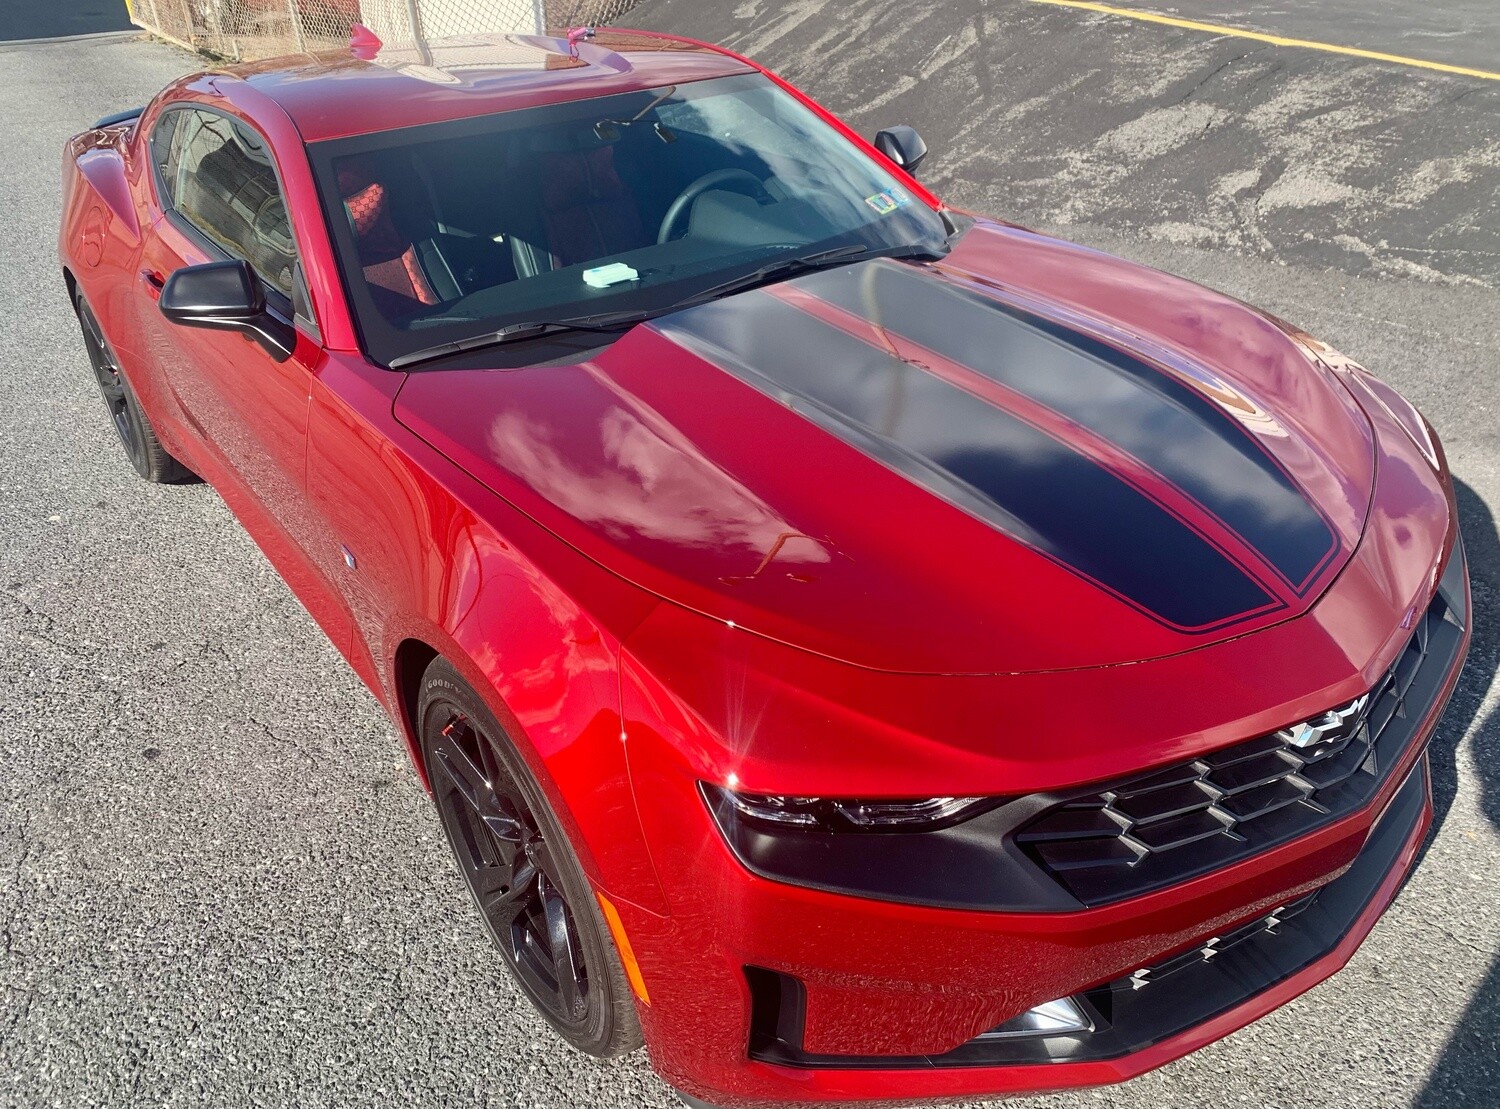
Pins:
<point x="887" y="202"/>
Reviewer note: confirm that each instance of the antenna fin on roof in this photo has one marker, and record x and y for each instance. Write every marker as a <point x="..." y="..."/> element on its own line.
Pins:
<point x="577" y="35"/>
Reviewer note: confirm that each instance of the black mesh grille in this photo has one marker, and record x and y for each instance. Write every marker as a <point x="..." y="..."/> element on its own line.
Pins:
<point x="1151" y="831"/>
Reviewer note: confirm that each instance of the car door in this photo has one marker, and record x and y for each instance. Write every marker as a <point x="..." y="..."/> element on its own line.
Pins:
<point x="221" y="198"/>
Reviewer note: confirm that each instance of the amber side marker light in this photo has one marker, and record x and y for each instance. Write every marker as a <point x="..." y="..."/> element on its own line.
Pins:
<point x="622" y="945"/>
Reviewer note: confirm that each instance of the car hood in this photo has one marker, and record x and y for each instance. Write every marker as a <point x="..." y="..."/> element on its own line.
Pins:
<point x="1027" y="457"/>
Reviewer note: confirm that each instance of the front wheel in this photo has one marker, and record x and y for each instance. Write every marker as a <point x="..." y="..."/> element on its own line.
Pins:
<point x="524" y="877"/>
<point x="147" y="456"/>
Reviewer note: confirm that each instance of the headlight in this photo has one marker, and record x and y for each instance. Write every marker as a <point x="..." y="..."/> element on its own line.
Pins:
<point x="824" y="814"/>
<point x="950" y="852"/>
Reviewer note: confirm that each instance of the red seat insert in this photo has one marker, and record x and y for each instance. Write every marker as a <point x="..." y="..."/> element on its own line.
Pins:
<point x="388" y="258"/>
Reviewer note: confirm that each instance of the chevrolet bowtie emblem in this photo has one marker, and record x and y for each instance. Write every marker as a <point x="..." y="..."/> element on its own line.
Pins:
<point x="1339" y="723"/>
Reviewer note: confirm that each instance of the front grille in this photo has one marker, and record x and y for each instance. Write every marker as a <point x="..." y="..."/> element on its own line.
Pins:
<point x="1146" y="832"/>
<point x="1155" y="1003"/>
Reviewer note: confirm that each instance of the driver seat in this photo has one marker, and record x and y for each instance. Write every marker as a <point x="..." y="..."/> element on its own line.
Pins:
<point x="586" y="212"/>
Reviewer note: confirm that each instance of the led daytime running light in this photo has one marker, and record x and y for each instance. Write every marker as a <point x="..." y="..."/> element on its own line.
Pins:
<point x="825" y="814"/>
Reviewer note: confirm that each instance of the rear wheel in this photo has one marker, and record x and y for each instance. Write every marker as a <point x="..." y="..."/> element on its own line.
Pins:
<point x="524" y="877"/>
<point x="149" y="458"/>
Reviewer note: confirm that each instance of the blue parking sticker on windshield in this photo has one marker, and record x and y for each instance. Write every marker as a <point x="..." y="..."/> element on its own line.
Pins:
<point x="887" y="202"/>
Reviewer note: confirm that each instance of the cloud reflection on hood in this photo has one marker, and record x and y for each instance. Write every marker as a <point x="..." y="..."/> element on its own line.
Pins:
<point x="642" y="479"/>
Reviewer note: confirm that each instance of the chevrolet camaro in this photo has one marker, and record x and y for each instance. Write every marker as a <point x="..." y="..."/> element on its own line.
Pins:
<point x="859" y="649"/>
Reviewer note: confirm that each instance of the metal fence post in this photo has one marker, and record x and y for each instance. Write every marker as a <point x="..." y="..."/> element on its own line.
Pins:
<point x="418" y="33"/>
<point x="291" y="7"/>
<point x="189" y="34"/>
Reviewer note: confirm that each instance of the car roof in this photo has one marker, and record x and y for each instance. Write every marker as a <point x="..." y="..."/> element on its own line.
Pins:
<point x="337" y="94"/>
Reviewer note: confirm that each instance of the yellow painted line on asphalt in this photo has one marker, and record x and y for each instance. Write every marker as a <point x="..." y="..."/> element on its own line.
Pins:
<point x="1274" y="40"/>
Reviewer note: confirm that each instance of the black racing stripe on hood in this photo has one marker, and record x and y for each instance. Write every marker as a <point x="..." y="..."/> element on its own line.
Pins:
<point x="1165" y="423"/>
<point x="978" y="457"/>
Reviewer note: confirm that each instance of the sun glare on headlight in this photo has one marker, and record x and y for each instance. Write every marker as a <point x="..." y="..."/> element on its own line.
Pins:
<point x="827" y="814"/>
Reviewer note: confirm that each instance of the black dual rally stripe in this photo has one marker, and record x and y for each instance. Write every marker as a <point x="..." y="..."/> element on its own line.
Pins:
<point x="1165" y="423"/>
<point x="980" y="458"/>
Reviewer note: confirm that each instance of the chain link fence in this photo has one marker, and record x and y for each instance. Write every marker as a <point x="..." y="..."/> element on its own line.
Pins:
<point x="243" y="30"/>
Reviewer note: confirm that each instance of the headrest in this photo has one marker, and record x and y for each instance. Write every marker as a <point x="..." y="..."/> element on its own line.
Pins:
<point x="354" y="176"/>
<point x="580" y="177"/>
<point x="366" y="208"/>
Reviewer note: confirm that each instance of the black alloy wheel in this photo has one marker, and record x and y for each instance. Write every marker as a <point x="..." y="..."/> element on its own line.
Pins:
<point x="146" y="454"/>
<point x="525" y="880"/>
<point x="510" y="870"/>
<point x="111" y="382"/>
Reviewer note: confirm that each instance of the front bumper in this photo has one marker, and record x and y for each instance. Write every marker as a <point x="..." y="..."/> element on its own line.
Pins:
<point x="1174" y="1000"/>
<point x="764" y="992"/>
<point x="879" y="978"/>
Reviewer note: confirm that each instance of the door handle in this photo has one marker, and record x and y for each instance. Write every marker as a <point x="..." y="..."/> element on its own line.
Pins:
<point x="153" y="282"/>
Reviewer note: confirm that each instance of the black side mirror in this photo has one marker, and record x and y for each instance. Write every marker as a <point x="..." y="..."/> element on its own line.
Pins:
<point x="226" y="296"/>
<point x="903" y="146"/>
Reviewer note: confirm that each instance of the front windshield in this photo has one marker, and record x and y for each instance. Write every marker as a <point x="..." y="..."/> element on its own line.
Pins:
<point x="628" y="203"/>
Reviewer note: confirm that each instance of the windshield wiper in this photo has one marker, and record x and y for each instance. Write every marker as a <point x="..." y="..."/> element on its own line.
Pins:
<point x="772" y="271"/>
<point x="804" y="263"/>
<point x="515" y="332"/>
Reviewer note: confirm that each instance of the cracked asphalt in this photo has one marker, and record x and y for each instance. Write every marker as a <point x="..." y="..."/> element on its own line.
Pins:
<point x="219" y="882"/>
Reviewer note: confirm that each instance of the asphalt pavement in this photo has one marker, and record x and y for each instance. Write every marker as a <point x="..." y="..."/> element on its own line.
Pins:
<point x="1454" y="32"/>
<point x="34" y="19"/>
<point x="219" y="882"/>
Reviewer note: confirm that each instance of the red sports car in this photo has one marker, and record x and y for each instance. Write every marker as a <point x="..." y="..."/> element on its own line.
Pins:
<point x="864" y="650"/>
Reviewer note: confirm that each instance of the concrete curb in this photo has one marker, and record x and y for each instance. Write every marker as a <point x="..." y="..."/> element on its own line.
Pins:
<point x="97" y="36"/>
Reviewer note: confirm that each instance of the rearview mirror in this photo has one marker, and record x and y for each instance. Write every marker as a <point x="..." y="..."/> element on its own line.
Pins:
<point x="903" y="146"/>
<point x="226" y="296"/>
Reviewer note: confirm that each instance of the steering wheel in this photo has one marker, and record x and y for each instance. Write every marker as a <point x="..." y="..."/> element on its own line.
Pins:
<point x="679" y="209"/>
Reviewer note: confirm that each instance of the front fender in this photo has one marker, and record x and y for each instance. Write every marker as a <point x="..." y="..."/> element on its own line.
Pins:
<point x="533" y="627"/>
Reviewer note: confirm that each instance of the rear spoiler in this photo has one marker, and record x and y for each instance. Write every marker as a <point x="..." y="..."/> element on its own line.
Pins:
<point x="127" y="116"/>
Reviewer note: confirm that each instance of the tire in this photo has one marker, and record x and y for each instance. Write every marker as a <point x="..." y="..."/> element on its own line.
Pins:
<point x="522" y="872"/>
<point x="145" y="452"/>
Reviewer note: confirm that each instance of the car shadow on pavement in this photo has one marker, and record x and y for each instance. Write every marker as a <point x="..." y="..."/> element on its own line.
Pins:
<point x="1470" y="1063"/>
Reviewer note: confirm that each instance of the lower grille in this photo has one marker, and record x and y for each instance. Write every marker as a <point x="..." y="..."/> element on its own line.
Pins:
<point x="1149" y="1006"/>
<point x="1146" y="832"/>
<point x="1210" y="949"/>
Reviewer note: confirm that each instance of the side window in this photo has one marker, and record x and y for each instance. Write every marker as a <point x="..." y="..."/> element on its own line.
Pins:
<point x="164" y="150"/>
<point x="217" y="174"/>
